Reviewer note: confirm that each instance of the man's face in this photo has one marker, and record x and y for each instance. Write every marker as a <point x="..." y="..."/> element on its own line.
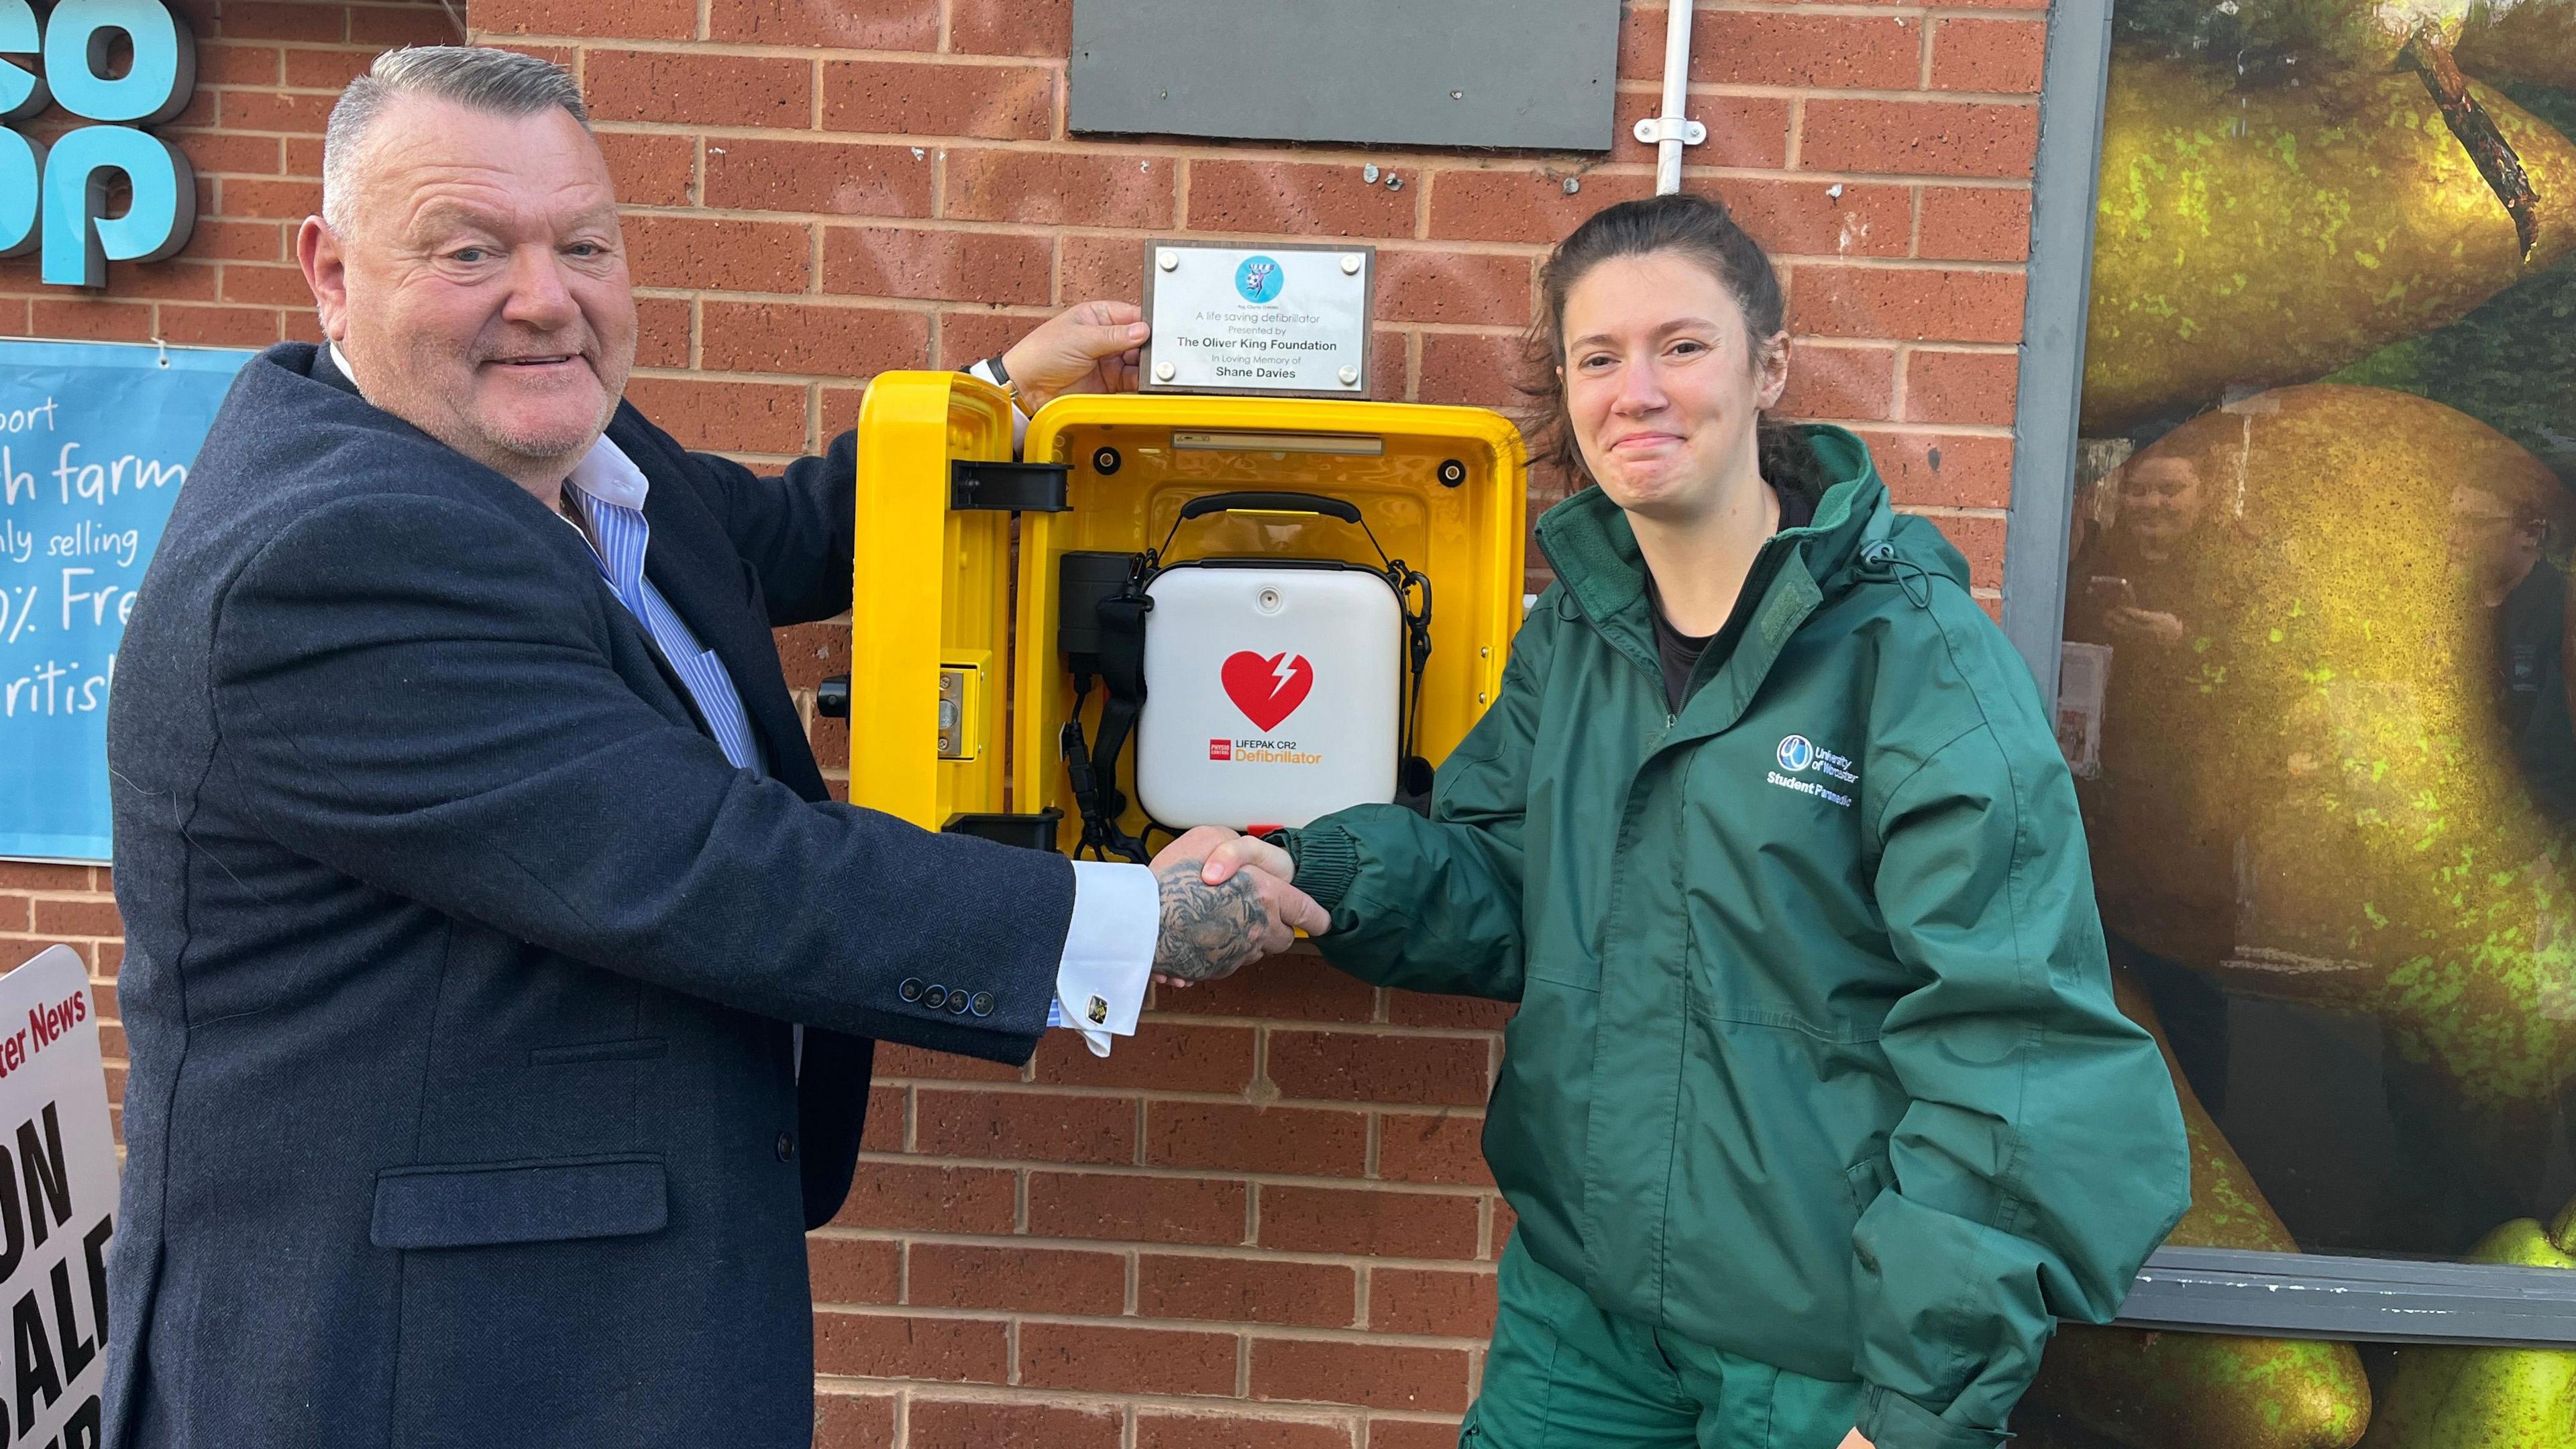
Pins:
<point x="483" y="296"/>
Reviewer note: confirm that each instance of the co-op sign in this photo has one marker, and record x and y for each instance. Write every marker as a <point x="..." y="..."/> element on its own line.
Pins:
<point x="52" y="197"/>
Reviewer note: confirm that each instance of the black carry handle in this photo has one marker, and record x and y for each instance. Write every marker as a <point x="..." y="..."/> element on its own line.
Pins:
<point x="1270" y="503"/>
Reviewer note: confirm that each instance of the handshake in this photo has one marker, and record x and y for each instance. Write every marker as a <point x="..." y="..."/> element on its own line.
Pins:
<point x="1226" y="901"/>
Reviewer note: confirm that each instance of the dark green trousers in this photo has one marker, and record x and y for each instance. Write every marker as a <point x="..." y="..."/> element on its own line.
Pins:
<point x="1562" y="1374"/>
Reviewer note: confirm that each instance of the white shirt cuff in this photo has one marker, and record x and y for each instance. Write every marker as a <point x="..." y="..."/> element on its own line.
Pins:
<point x="1108" y="952"/>
<point x="983" y="368"/>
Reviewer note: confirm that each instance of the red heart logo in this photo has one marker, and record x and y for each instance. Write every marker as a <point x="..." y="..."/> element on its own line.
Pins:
<point x="1264" y="691"/>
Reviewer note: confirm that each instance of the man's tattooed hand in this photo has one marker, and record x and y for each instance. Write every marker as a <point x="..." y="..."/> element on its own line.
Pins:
<point x="1209" y="931"/>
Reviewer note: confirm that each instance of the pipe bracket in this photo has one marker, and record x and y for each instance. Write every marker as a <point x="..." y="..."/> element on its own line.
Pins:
<point x="1654" y="130"/>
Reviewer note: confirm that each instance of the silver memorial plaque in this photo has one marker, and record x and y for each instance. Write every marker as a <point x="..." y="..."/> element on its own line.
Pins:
<point x="1287" y="318"/>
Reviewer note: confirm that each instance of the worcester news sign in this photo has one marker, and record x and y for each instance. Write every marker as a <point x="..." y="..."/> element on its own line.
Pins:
<point x="52" y="197"/>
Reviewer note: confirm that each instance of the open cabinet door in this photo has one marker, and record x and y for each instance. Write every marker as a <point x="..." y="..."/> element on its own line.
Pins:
<point x="931" y="599"/>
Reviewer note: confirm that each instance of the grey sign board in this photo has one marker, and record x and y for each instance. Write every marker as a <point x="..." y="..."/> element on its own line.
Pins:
<point x="1500" y="73"/>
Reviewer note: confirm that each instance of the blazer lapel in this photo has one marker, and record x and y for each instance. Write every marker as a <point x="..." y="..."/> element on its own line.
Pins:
<point x="694" y="564"/>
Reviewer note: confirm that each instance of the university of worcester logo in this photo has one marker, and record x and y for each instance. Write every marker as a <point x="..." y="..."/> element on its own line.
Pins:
<point x="1795" y="753"/>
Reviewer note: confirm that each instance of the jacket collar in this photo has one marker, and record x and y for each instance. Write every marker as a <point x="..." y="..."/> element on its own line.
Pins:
<point x="1588" y="541"/>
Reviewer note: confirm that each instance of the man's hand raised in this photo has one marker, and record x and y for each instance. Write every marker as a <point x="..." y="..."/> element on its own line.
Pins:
<point x="1211" y="929"/>
<point x="1090" y="347"/>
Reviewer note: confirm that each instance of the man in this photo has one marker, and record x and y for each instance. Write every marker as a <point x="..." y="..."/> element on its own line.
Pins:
<point x="475" y="867"/>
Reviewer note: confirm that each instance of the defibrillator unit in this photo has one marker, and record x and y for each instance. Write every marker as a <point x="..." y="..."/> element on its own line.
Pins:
<point x="1261" y="690"/>
<point x="1178" y="611"/>
<point x="1279" y="691"/>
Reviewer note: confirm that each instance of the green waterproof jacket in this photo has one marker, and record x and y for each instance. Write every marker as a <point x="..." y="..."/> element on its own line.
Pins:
<point x="1815" y="1059"/>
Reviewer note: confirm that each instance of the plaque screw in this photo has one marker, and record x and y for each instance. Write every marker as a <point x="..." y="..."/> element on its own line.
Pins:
<point x="1350" y="264"/>
<point x="1572" y="185"/>
<point x="1394" y="182"/>
<point x="1168" y="260"/>
<point x="1162" y="372"/>
<point x="1350" y="377"/>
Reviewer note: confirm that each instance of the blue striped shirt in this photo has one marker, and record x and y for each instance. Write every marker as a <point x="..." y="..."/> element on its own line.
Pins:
<point x="609" y="490"/>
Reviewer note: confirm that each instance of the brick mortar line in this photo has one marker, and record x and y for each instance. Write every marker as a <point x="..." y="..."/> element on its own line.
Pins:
<point x="919" y="1157"/>
<point x="1857" y="423"/>
<point x="1480" y="1267"/>
<point x="1432" y="245"/>
<point x="1120" y="231"/>
<point x="1910" y="348"/>
<point x="1175" y="1174"/>
<point x="1230" y="1328"/>
<point x="861" y="380"/>
<point x="1319" y="1412"/>
<point x="1403" y="246"/>
<point x="1177" y="1097"/>
<point x="1929" y="17"/>
<point x="777" y="50"/>
<point x="1348" y="1028"/>
<point x="1903" y="427"/>
<point x="1182" y="1405"/>
<point x="1757" y="90"/>
<point x="1435" y="163"/>
<point x="1953" y="430"/>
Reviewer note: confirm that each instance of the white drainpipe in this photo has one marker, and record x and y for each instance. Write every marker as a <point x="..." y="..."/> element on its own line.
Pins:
<point x="1669" y="132"/>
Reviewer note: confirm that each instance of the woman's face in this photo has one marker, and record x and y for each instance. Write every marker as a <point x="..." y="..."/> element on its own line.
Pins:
<point x="1664" y="384"/>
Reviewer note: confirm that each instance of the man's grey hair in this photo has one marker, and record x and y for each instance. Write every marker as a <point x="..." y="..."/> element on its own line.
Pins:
<point x="478" y="77"/>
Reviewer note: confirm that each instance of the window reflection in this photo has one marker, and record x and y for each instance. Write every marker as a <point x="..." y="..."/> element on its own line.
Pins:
<point x="2316" y="681"/>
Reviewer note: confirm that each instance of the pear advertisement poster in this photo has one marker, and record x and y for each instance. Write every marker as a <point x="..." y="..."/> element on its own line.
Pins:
<point x="2324" y="727"/>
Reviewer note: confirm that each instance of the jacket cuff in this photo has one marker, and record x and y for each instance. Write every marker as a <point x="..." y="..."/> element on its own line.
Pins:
<point x="1327" y="862"/>
<point x="1890" y="1420"/>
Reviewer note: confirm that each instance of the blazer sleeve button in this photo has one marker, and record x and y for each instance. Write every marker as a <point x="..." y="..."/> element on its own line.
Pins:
<point x="935" y="998"/>
<point x="910" y="990"/>
<point x="982" y="1004"/>
<point x="786" y="1146"/>
<point x="957" y="1002"/>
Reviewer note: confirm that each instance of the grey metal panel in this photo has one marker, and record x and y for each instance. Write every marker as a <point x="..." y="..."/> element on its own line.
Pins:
<point x="2291" y="1295"/>
<point x="2063" y="186"/>
<point x="1503" y="73"/>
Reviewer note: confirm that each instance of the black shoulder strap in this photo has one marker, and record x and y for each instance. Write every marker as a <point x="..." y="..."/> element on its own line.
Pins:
<point x="1113" y="647"/>
<point x="1122" y="676"/>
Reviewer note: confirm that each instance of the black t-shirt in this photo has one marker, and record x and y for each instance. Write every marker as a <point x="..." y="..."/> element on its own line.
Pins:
<point x="1678" y="652"/>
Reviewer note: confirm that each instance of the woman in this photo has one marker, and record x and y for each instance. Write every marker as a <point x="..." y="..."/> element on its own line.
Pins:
<point x="1816" y="1111"/>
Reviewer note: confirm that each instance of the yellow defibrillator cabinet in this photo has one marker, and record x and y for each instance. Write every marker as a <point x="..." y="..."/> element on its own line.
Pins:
<point x="1176" y="610"/>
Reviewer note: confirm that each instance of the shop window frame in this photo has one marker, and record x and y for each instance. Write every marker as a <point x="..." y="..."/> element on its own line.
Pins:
<point x="2284" y="1295"/>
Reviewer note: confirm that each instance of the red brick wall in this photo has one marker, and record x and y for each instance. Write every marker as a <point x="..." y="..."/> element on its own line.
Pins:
<point x="1263" y="1222"/>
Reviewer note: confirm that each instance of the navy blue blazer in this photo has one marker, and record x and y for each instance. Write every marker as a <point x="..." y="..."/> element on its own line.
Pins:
<point x="460" y="963"/>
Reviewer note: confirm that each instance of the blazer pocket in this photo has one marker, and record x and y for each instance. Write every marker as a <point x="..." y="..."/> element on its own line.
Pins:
<point x="630" y="1049"/>
<point x="478" y="1204"/>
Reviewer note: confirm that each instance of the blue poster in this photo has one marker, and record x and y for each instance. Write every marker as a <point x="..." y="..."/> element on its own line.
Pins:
<point x="95" y="441"/>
